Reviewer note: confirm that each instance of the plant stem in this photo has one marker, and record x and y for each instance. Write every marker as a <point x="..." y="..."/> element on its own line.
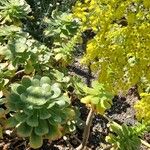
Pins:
<point x="108" y="147"/>
<point x="89" y="119"/>
<point x="86" y="132"/>
<point x="145" y="143"/>
<point x="90" y="116"/>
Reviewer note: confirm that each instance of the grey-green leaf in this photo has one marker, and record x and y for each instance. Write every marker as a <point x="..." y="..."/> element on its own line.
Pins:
<point x="24" y="130"/>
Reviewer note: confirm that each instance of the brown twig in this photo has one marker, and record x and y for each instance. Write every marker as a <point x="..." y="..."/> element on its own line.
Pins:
<point x="74" y="136"/>
<point x="68" y="143"/>
<point x="22" y="143"/>
<point x="86" y="132"/>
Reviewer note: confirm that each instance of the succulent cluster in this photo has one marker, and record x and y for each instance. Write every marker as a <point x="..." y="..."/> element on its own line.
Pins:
<point x="13" y="10"/>
<point x="40" y="109"/>
<point x="97" y="97"/>
<point x="63" y="28"/>
<point x="124" y="137"/>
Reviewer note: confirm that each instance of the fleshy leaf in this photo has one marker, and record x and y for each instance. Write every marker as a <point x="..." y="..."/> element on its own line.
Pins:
<point x="54" y="132"/>
<point x="35" y="141"/>
<point x="45" y="80"/>
<point x="87" y="99"/>
<point x="57" y="92"/>
<point x="56" y="117"/>
<point x="42" y="128"/>
<point x="24" y="130"/>
<point x="20" y="117"/>
<point x="33" y="120"/>
<point x="44" y="114"/>
<point x="26" y="81"/>
<point x="21" y="89"/>
<point x="29" y="68"/>
<point x="35" y="82"/>
<point x="14" y="88"/>
<point x="11" y="122"/>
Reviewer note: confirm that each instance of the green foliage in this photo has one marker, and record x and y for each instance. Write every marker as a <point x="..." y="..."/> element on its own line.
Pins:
<point x="61" y="25"/>
<point x="120" y="50"/>
<point x="142" y="108"/>
<point x="21" y="50"/>
<point x="3" y="113"/>
<point x="63" y="29"/>
<point x="15" y="39"/>
<point x="38" y="40"/>
<point x="40" y="109"/>
<point x="96" y="96"/>
<point x="13" y="10"/>
<point x="124" y="137"/>
<point x="6" y="70"/>
<point x="38" y="105"/>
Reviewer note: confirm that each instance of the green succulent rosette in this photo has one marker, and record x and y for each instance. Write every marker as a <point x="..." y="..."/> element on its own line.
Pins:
<point x="40" y="109"/>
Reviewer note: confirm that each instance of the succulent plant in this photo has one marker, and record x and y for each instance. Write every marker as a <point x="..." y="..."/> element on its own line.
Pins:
<point x="96" y="97"/>
<point x="40" y="109"/>
<point x="123" y="137"/>
<point x="13" y="10"/>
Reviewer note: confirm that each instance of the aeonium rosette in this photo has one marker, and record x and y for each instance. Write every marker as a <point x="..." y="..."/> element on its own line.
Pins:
<point x="40" y="110"/>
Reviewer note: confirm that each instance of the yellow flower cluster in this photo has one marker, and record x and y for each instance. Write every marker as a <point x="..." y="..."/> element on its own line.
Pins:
<point x="121" y="48"/>
<point x="142" y="108"/>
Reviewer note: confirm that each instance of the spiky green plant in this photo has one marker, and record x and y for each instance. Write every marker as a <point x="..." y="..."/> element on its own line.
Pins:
<point x="40" y="109"/>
